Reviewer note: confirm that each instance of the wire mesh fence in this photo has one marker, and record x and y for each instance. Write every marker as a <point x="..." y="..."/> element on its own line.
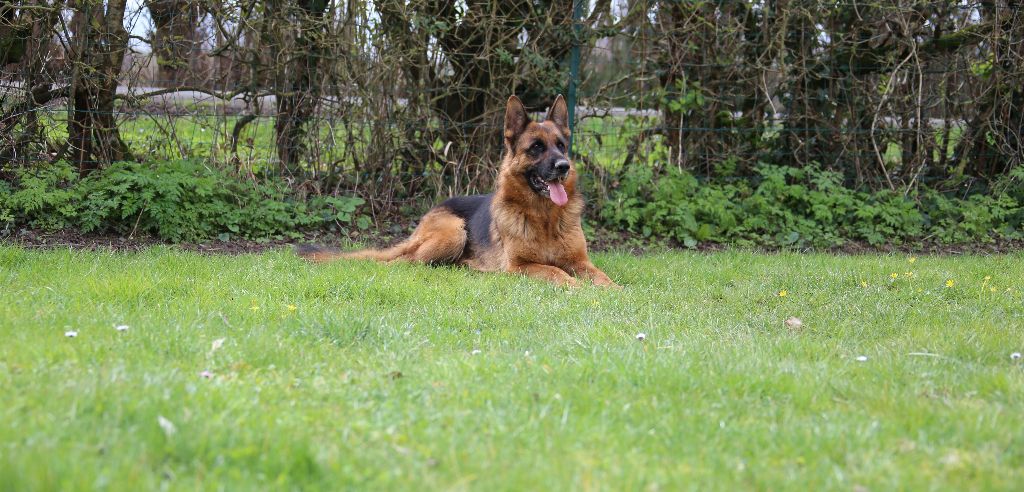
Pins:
<point x="402" y="100"/>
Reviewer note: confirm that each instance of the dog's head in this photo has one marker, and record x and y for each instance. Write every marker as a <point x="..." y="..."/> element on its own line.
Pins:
<point x="537" y="153"/>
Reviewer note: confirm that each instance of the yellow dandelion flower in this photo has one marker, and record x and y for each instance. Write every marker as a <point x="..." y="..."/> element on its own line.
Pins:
<point x="255" y="308"/>
<point x="894" y="275"/>
<point x="863" y="283"/>
<point x="911" y="259"/>
<point x="991" y="289"/>
<point x="783" y="293"/>
<point x="291" y="307"/>
<point x="949" y="283"/>
<point x="908" y="274"/>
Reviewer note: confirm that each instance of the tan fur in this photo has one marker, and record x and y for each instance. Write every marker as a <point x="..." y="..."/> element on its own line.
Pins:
<point x="439" y="238"/>
<point x="530" y="235"/>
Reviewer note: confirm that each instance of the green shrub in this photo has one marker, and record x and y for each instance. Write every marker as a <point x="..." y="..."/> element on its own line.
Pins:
<point x="801" y="207"/>
<point x="43" y="197"/>
<point x="173" y="200"/>
<point x="976" y="218"/>
<point x="781" y="206"/>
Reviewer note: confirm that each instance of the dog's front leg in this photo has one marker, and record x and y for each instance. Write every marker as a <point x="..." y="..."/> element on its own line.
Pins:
<point x="546" y="272"/>
<point x="586" y="269"/>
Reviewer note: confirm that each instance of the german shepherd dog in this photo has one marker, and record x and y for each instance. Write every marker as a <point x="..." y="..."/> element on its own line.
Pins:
<point x="530" y="225"/>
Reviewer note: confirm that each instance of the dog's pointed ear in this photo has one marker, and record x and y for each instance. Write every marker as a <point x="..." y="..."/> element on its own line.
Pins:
<point x="516" y="120"/>
<point x="559" y="114"/>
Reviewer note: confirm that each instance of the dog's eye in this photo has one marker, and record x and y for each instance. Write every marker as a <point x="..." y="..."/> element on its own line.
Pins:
<point x="537" y="148"/>
<point x="561" y="147"/>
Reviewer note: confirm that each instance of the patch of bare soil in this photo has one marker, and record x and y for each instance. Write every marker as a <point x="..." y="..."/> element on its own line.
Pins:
<point x="76" y="241"/>
<point x="601" y="240"/>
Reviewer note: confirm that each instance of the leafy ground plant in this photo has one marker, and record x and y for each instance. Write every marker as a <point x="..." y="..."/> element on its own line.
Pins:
<point x="164" y="369"/>
<point x="171" y="200"/>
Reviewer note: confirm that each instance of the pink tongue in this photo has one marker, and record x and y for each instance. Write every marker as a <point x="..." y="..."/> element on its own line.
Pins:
<point x="557" y="192"/>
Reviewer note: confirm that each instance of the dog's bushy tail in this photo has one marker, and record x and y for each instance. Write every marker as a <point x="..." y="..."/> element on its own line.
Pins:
<point x="317" y="254"/>
<point x="320" y="254"/>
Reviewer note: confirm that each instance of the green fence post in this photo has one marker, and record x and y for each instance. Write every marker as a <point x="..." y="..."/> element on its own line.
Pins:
<point x="574" y="68"/>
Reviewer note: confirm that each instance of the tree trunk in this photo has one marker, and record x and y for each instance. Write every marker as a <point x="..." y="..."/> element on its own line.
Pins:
<point x="993" y="142"/>
<point x="34" y="27"/>
<point x="100" y="41"/>
<point x="174" y="41"/>
<point x="298" y="80"/>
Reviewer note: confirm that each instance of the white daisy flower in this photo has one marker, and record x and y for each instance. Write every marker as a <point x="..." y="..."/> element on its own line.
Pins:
<point x="167" y="426"/>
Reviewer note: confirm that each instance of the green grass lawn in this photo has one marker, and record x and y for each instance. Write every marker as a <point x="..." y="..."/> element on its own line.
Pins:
<point x="355" y="375"/>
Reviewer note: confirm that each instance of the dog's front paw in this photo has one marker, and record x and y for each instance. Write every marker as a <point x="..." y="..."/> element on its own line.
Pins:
<point x="606" y="282"/>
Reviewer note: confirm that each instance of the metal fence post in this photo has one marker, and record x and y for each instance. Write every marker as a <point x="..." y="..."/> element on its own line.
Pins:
<point x="574" y="68"/>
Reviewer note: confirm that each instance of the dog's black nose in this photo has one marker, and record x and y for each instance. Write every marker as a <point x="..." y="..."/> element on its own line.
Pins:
<point x="562" y="166"/>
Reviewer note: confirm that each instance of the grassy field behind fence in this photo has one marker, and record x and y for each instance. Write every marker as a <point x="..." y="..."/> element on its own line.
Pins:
<point x="601" y="141"/>
<point x="260" y="371"/>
